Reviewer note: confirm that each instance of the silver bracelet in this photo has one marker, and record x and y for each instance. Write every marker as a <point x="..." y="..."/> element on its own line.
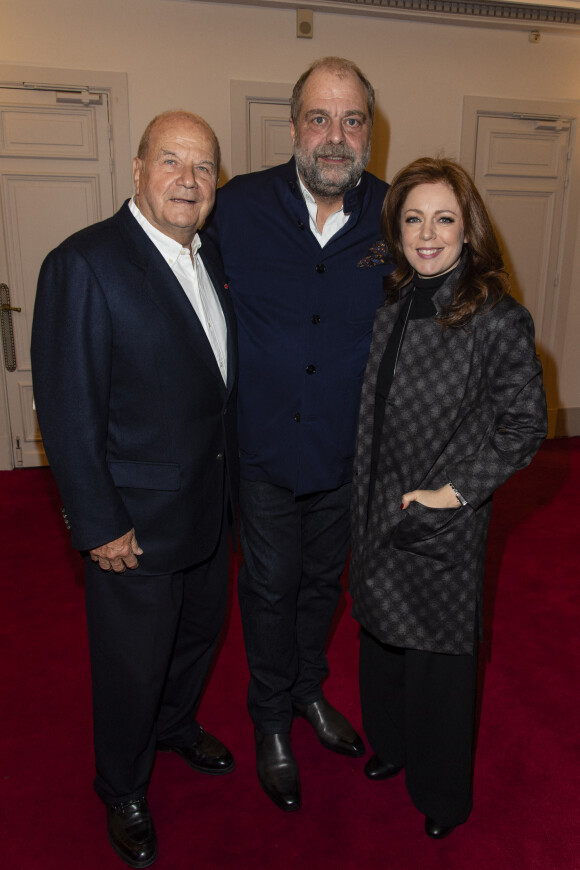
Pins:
<point x="462" y="501"/>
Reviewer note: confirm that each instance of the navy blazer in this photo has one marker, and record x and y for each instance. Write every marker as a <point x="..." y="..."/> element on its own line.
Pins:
<point x="137" y="422"/>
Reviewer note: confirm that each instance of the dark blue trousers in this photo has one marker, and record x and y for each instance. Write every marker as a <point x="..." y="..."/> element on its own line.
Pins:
<point x="289" y="585"/>
<point x="151" y="640"/>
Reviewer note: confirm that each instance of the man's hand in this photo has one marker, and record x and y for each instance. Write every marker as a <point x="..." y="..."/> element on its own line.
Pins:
<point x="118" y="555"/>
<point x="432" y="498"/>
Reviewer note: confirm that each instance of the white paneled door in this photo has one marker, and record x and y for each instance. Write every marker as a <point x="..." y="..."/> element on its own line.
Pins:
<point x="269" y="134"/>
<point x="521" y="170"/>
<point x="55" y="178"/>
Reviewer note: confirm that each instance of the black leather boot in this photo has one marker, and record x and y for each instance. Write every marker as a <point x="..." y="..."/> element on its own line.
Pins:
<point x="277" y="770"/>
<point x="332" y="728"/>
<point x="376" y="769"/>
<point x="436" y="831"/>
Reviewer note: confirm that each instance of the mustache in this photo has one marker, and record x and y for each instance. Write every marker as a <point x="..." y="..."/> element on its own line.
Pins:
<point x="334" y="151"/>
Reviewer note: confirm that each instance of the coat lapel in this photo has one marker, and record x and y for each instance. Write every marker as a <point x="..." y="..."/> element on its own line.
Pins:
<point x="164" y="289"/>
<point x="212" y="263"/>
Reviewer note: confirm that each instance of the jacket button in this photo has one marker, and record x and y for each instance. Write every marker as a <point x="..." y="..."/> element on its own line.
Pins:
<point x="320" y="268"/>
<point x="315" y="319"/>
<point x="310" y="369"/>
<point x="220" y="456"/>
<point x="301" y="225"/>
<point x="297" y="417"/>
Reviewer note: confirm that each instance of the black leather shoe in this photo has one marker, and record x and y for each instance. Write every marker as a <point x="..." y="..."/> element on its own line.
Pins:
<point x="376" y="769"/>
<point x="207" y="754"/>
<point x="332" y="729"/>
<point x="436" y="831"/>
<point x="277" y="770"/>
<point x="131" y="832"/>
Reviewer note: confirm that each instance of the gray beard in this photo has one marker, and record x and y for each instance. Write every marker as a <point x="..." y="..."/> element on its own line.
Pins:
<point x="314" y="175"/>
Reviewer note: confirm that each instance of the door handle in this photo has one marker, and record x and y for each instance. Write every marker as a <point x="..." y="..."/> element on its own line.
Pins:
<point x="6" y="310"/>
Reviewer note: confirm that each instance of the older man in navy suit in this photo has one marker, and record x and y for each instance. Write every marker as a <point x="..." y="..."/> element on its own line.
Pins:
<point x="134" y="360"/>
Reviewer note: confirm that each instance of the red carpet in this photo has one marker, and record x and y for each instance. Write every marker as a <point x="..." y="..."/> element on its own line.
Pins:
<point x="527" y="767"/>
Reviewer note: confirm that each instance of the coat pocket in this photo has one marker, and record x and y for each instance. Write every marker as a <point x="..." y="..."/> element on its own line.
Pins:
<point x="164" y="476"/>
<point x="431" y="532"/>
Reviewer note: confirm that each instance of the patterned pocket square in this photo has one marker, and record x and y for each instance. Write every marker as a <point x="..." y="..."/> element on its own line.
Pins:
<point x="377" y="255"/>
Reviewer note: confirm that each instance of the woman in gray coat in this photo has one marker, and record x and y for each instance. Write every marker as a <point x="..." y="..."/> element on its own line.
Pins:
<point x="452" y="405"/>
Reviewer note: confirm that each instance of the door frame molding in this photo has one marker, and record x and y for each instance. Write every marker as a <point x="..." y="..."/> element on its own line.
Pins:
<point x="242" y="93"/>
<point x="114" y="84"/>
<point x="562" y="421"/>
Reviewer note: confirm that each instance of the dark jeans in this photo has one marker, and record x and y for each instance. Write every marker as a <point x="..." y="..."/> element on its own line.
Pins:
<point x="151" y="639"/>
<point x="289" y="585"/>
<point x="418" y="711"/>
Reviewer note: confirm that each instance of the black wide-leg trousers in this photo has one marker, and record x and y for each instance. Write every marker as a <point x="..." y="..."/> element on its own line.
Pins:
<point x="418" y="711"/>
<point x="151" y="641"/>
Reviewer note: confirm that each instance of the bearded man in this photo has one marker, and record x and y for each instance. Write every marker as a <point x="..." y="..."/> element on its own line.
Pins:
<point x="304" y="263"/>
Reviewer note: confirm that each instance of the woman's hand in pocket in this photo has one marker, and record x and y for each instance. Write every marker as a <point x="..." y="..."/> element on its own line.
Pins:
<point x="432" y="498"/>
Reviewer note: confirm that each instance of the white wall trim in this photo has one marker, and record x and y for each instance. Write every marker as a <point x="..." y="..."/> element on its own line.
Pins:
<point x="553" y="16"/>
<point x="112" y="83"/>
<point x="115" y="85"/>
<point x="241" y="94"/>
<point x="562" y="421"/>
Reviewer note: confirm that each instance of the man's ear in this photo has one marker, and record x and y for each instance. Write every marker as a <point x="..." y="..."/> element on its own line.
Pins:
<point x="137" y="169"/>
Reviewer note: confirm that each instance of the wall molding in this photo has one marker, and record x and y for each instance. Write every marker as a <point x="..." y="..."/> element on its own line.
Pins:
<point x="90" y="82"/>
<point x="241" y="94"/>
<point x="564" y="423"/>
<point x="563" y="16"/>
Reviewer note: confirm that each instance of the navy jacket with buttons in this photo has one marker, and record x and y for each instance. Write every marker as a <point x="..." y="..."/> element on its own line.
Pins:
<point x="131" y="403"/>
<point x="305" y="317"/>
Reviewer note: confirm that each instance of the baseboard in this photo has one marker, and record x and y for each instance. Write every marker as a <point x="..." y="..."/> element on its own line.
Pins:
<point x="563" y="422"/>
<point x="6" y="463"/>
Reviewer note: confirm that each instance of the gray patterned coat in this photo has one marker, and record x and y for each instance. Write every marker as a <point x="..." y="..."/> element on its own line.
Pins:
<point x="466" y="405"/>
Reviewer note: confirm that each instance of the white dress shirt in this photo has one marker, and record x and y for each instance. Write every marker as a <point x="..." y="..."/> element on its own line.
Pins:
<point x="191" y="273"/>
<point x="333" y="224"/>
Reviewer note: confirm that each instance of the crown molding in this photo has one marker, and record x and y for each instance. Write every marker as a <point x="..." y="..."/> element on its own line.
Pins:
<point x="552" y="15"/>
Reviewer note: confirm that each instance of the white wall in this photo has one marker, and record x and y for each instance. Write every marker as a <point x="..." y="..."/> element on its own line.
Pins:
<point x="184" y="54"/>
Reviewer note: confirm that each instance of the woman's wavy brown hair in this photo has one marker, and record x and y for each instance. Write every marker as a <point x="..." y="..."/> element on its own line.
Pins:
<point x="483" y="281"/>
